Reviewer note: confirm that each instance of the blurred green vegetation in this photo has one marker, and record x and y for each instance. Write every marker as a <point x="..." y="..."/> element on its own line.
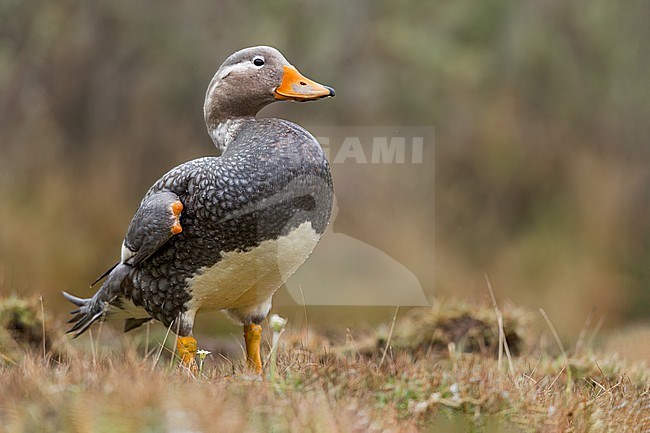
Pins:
<point x="540" y="109"/>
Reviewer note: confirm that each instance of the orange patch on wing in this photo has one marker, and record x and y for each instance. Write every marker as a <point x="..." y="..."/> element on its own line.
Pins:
<point x="177" y="207"/>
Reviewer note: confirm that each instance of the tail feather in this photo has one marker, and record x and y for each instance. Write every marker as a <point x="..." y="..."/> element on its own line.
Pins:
<point x="88" y="312"/>
<point x="92" y="309"/>
<point x="84" y="323"/>
<point x="76" y="318"/>
<point x="79" y="302"/>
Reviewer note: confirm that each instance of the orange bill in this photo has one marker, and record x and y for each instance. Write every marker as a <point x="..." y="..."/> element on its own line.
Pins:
<point x="299" y="88"/>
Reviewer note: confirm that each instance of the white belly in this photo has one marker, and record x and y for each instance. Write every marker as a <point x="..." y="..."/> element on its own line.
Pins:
<point x="245" y="279"/>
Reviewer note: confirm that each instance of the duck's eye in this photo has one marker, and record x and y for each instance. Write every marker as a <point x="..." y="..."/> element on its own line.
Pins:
<point x="258" y="61"/>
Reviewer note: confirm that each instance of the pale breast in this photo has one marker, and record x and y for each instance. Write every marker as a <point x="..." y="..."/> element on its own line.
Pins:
<point x="247" y="278"/>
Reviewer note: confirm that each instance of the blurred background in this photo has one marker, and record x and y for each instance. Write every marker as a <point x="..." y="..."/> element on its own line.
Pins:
<point x="539" y="175"/>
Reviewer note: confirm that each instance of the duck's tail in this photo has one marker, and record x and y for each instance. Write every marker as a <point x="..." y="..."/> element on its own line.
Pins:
<point x="93" y="309"/>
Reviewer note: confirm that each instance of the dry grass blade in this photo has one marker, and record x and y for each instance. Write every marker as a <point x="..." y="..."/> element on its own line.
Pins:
<point x="583" y="332"/>
<point x="162" y="346"/>
<point x="503" y="342"/>
<point x="92" y="346"/>
<point x="565" y="357"/>
<point x="40" y="299"/>
<point x="390" y="336"/>
<point x="304" y="308"/>
<point x="556" y="336"/>
<point x="594" y="333"/>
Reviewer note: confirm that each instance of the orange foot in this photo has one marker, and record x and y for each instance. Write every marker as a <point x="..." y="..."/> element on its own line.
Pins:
<point x="253" y="337"/>
<point x="186" y="347"/>
<point x="177" y="208"/>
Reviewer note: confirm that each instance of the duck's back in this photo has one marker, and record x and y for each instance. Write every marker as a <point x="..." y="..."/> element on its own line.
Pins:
<point x="250" y="218"/>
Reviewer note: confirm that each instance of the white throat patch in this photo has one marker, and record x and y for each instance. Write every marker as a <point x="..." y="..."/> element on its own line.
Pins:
<point x="224" y="133"/>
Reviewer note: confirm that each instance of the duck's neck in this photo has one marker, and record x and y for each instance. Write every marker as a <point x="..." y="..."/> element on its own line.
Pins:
<point x="223" y="132"/>
<point x="227" y="108"/>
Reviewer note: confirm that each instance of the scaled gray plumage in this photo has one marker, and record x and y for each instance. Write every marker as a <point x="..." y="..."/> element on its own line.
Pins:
<point x="271" y="179"/>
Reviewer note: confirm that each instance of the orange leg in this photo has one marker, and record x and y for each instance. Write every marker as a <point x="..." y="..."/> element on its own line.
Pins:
<point x="186" y="347"/>
<point x="253" y="337"/>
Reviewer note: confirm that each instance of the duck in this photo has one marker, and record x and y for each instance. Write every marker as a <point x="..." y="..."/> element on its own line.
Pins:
<point x="224" y="232"/>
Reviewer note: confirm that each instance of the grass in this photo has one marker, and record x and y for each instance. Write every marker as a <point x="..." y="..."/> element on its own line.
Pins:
<point x="398" y="378"/>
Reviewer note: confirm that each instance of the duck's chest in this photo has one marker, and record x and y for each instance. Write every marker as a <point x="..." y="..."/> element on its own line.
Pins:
<point x="248" y="200"/>
<point x="243" y="278"/>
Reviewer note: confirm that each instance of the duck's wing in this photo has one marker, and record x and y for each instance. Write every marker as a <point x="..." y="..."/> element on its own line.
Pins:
<point x="154" y="223"/>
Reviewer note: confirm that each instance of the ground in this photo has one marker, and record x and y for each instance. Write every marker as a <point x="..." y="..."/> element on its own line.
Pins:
<point x="428" y="370"/>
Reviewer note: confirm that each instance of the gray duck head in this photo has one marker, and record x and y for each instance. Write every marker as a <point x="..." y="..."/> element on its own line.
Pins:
<point x="252" y="78"/>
